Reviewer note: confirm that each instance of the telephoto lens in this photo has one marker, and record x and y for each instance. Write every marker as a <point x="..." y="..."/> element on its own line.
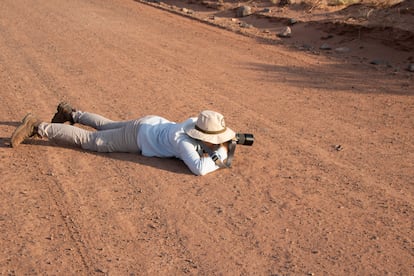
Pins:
<point x="245" y="139"/>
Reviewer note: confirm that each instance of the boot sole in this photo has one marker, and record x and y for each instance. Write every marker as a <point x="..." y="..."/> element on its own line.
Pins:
<point x="24" y="130"/>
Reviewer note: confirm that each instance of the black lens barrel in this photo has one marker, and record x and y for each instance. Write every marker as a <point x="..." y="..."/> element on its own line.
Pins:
<point x="245" y="139"/>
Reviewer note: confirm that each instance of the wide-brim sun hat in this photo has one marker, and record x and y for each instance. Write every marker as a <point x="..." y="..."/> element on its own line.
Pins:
<point x="210" y="127"/>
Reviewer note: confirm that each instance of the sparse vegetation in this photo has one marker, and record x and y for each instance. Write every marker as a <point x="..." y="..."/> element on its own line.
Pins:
<point x="379" y="3"/>
<point x="342" y="2"/>
<point x="318" y="3"/>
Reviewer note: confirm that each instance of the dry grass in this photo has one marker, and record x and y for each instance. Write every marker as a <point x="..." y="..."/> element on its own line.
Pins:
<point x="377" y="3"/>
<point x="318" y="3"/>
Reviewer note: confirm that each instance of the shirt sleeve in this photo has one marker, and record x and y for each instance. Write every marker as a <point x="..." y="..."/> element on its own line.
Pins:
<point x="198" y="165"/>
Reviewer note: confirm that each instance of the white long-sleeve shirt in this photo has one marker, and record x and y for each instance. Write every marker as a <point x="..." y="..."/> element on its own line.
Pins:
<point x="162" y="138"/>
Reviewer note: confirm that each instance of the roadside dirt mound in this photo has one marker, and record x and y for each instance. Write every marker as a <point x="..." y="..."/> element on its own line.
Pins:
<point x="393" y="26"/>
<point x="379" y="35"/>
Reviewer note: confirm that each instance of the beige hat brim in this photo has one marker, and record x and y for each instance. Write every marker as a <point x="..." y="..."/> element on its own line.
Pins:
<point x="211" y="138"/>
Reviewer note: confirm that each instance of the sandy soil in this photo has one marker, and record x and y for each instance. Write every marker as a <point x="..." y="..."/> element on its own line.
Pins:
<point x="327" y="188"/>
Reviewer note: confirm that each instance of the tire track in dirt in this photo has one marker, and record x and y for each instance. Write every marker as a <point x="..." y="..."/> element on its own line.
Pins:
<point x="325" y="159"/>
<point x="35" y="220"/>
<point x="363" y="188"/>
<point x="43" y="82"/>
<point x="75" y="231"/>
<point x="27" y="60"/>
<point x="46" y="82"/>
<point x="28" y="64"/>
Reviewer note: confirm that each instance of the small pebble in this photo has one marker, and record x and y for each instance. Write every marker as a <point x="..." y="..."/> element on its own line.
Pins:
<point x="245" y="25"/>
<point x="342" y="50"/>
<point x="292" y="21"/>
<point x="379" y="62"/>
<point x="287" y="32"/>
<point x="101" y="270"/>
<point x="325" y="47"/>
<point x="244" y="11"/>
<point x="283" y="3"/>
<point x="306" y="47"/>
<point x="329" y="36"/>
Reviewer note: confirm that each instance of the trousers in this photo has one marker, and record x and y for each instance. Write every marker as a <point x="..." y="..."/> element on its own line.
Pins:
<point x="108" y="136"/>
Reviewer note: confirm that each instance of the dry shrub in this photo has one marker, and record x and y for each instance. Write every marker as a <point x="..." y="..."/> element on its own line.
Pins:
<point x="342" y="2"/>
<point x="383" y="3"/>
<point x="316" y="3"/>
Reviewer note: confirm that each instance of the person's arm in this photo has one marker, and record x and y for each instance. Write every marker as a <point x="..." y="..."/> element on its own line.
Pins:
<point x="199" y="165"/>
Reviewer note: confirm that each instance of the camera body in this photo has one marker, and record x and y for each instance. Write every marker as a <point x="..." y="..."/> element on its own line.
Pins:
<point x="245" y="139"/>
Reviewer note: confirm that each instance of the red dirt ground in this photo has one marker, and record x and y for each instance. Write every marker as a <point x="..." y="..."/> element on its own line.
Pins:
<point x="291" y="205"/>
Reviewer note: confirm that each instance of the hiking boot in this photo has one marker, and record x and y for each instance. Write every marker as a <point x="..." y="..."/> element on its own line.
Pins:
<point x="27" y="129"/>
<point x="63" y="114"/>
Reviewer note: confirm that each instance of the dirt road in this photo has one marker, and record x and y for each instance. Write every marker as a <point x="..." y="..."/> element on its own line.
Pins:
<point x="291" y="204"/>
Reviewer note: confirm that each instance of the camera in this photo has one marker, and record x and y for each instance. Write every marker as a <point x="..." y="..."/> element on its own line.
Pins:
<point x="245" y="139"/>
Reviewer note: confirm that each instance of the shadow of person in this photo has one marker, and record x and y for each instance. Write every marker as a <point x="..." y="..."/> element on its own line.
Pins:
<point x="168" y="164"/>
<point x="174" y="165"/>
<point x="5" y="142"/>
<point x="8" y="123"/>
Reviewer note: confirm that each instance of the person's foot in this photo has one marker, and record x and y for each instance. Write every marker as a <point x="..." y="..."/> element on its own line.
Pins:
<point x="27" y="129"/>
<point x="63" y="114"/>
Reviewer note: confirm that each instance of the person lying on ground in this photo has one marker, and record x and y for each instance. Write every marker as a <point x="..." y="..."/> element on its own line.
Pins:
<point x="202" y="143"/>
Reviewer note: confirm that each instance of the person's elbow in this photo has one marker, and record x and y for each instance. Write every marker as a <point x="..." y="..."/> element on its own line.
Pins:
<point x="201" y="170"/>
